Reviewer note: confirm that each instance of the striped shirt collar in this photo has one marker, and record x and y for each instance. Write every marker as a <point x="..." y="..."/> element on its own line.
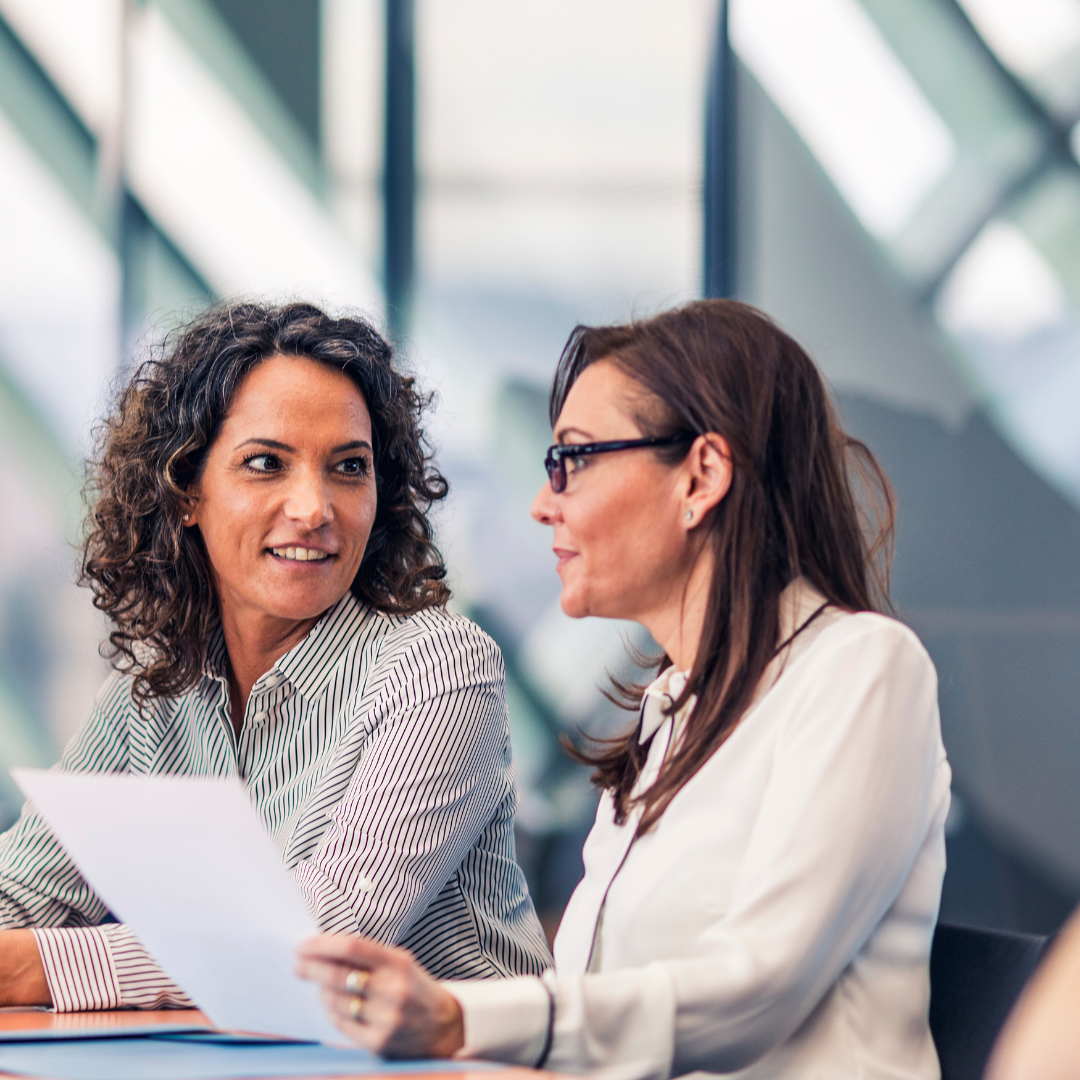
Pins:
<point x="309" y="665"/>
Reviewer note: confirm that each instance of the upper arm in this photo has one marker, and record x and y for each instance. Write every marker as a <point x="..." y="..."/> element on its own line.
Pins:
<point x="429" y="779"/>
<point x="855" y="785"/>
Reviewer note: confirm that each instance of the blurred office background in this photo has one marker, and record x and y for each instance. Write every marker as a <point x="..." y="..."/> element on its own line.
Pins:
<point x="896" y="181"/>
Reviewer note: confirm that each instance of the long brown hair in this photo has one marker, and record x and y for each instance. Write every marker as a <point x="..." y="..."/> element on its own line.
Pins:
<point x="806" y="500"/>
<point x="148" y="573"/>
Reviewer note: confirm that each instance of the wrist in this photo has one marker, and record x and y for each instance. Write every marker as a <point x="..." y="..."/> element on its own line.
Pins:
<point x="451" y="1027"/>
<point x="22" y="974"/>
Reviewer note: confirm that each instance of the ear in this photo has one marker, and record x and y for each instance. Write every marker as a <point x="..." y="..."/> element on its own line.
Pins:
<point x="708" y="477"/>
<point x="189" y="512"/>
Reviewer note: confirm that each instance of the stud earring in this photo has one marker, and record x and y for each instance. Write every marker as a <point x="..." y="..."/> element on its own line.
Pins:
<point x="689" y="515"/>
<point x="187" y="517"/>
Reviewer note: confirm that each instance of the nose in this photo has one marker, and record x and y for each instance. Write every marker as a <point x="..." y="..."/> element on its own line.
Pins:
<point x="545" y="507"/>
<point x="308" y="501"/>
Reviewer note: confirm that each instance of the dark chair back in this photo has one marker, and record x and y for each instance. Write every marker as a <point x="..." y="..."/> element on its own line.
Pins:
<point x="975" y="978"/>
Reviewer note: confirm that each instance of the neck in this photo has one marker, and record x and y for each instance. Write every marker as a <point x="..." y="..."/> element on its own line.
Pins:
<point x="255" y="642"/>
<point x="677" y="624"/>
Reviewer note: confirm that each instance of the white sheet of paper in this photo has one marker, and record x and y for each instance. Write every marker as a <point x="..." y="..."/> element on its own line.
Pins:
<point x="187" y="864"/>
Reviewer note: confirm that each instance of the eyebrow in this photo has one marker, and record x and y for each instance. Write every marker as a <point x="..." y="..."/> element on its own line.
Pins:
<point x="561" y="435"/>
<point x="356" y="444"/>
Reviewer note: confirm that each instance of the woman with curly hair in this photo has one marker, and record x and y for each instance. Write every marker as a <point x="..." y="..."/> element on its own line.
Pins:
<point x="259" y="540"/>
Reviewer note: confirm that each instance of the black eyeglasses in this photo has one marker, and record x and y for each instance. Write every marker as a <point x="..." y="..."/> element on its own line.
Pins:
<point x="555" y="462"/>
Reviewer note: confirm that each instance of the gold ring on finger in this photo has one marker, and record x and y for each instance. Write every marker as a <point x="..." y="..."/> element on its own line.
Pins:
<point x="356" y="982"/>
<point x="356" y="1009"/>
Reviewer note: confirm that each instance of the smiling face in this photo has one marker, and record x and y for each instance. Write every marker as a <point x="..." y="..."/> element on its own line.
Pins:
<point x="620" y="532"/>
<point x="286" y="499"/>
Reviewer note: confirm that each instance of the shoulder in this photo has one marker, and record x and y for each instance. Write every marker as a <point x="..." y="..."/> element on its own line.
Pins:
<point x="874" y="638"/>
<point x="114" y="694"/>
<point x="863" y="690"/>
<point x="115" y="703"/>
<point x="864" y="657"/>
<point x="439" y="640"/>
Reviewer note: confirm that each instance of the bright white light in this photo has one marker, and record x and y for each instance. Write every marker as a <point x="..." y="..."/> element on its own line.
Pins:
<point x="1002" y="289"/>
<point x="353" y="39"/>
<point x="78" y="44"/>
<point x="828" y="68"/>
<point x="352" y="87"/>
<point x="219" y="189"/>
<point x="1028" y="35"/>
<point x="1022" y="340"/>
<point x="59" y="290"/>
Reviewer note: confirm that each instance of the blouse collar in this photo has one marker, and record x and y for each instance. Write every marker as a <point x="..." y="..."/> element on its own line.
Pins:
<point x="658" y="698"/>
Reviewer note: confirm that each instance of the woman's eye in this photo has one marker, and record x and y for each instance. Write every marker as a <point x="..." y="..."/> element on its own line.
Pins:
<point x="263" y="463"/>
<point x="353" y="467"/>
<point x="575" y="463"/>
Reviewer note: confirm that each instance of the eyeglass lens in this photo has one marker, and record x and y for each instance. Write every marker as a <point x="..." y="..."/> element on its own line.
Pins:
<point x="556" y="470"/>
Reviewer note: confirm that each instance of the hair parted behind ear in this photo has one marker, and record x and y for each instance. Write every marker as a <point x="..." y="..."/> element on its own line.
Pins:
<point x="806" y="500"/>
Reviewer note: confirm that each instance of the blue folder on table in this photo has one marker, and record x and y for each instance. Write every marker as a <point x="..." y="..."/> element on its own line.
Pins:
<point x="175" y="1052"/>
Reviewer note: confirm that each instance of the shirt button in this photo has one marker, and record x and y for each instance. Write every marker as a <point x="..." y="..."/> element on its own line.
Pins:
<point x="274" y="679"/>
<point x="260" y="717"/>
<point x="365" y="885"/>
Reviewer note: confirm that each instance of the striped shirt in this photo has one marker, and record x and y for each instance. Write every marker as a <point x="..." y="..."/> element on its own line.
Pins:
<point x="377" y="752"/>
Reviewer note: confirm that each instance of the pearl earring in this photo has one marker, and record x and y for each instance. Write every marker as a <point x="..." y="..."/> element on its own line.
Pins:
<point x="187" y="517"/>
<point x="689" y="515"/>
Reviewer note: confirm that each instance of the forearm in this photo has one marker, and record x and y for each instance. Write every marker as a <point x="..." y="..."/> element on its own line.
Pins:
<point x="622" y="1024"/>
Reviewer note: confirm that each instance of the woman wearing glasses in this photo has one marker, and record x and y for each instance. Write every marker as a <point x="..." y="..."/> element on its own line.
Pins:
<point x="762" y="881"/>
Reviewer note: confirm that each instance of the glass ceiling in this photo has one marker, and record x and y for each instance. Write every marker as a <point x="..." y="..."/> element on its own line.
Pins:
<point x="560" y="160"/>
<point x="951" y="130"/>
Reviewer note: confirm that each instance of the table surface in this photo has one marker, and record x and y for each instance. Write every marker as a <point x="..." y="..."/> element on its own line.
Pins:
<point x="33" y="1019"/>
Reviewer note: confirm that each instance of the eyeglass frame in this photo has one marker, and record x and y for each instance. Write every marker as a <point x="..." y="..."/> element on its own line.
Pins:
<point x="555" y="459"/>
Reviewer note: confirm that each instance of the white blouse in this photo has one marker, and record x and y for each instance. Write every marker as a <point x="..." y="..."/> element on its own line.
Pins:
<point x="777" y="920"/>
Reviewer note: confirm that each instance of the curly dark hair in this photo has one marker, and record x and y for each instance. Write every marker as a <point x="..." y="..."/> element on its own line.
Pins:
<point x="148" y="573"/>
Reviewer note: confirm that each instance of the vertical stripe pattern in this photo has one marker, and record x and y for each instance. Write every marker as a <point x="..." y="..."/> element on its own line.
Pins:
<point x="377" y="753"/>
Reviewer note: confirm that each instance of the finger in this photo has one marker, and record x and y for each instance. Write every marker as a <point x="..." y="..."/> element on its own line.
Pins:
<point x="338" y="1005"/>
<point x="359" y="1030"/>
<point x="329" y="974"/>
<point x="348" y="949"/>
<point x="362" y="1010"/>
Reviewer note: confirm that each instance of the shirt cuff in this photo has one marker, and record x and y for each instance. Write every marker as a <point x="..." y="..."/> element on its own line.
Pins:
<point x="78" y="968"/>
<point x="104" y="967"/>
<point x="504" y="1019"/>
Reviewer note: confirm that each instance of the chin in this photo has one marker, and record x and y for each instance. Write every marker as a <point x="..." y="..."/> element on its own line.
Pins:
<point x="307" y="606"/>
<point x="573" y="606"/>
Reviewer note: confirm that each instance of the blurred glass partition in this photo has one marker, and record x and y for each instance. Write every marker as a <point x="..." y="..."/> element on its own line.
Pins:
<point x="908" y="206"/>
<point x="559" y="150"/>
<point x="942" y="304"/>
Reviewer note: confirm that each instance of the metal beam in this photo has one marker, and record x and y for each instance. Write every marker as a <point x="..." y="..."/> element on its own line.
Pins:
<point x="43" y="117"/>
<point x="399" y="165"/>
<point x="1057" y="151"/>
<point x="719" y="204"/>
